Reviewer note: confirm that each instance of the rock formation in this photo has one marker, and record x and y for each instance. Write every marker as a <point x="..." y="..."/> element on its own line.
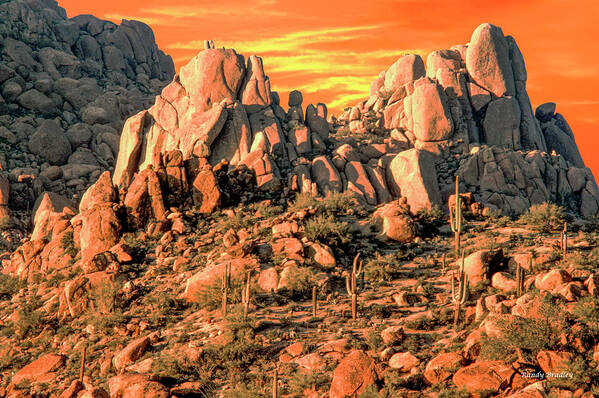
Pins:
<point x="472" y="111"/>
<point x="66" y="87"/>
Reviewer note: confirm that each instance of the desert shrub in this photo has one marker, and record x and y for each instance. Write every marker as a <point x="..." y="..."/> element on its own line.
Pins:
<point x="300" y="283"/>
<point x="9" y="286"/>
<point x="210" y="296"/>
<point x="68" y="244"/>
<point x="430" y="218"/>
<point x="266" y="210"/>
<point x="586" y="310"/>
<point x="328" y="230"/>
<point x="373" y="338"/>
<point x="242" y="390"/>
<point x="386" y="268"/>
<point x="108" y="298"/>
<point x="584" y="376"/>
<point x="591" y="224"/>
<point x="545" y="217"/>
<point x="236" y="222"/>
<point x="29" y="320"/>
<point x="5" y="223"/>
<point x="300" y="382"/>
<point x="527" y="336"/>
<point x="334" y="203"/>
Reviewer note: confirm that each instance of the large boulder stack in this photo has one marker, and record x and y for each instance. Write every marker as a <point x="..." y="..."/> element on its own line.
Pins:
<point x="66" y="87"/>
<point x="472" y="112"/>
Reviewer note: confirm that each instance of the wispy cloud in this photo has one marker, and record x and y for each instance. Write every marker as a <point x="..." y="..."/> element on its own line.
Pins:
<point x="291" y="41"/>
<point x="255" y="8"/>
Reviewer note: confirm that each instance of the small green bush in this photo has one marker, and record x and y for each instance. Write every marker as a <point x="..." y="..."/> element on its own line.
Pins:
<point x="334" y="203"/>
<point x="545" y="217"/>
<point x="430" y="219"/>
<point x="328" y="230"/>
<point x="9" y="286"/>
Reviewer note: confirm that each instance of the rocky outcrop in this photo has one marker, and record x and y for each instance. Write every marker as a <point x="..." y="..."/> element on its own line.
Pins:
<point x="66" y="87"/>
<point x="472" y="112"/>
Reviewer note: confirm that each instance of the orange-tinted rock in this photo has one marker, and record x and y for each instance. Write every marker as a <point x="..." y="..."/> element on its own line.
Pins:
<point x="430" y="112"/>
<point x="100" y="230"/>
<point x="212" y="76"/>
<point x="325" y="175"/>
<point x="213" y="273"/>
<point x="392" y="335"/>
<point x="406" y="69"/>
<point x="552" y="279"/>
<point x="481" y="265"/>
<point x="102" y="192"/>
<point x="131" y="353"/>
<point x="255" y="92"/>
<point x="442" y="366"/>
<point x="403" y="361"/>
<point x="136" y="386"/>
<point x="412" y="174"/>
<point x="354" y="374"/>
<point x="484" y="376"/>
<point x="487" y="60"/>
<point x="74" y="389"/>
<point x="396" y="224"/>
<point x="26" y="260"/>
<point x="555" y="361"/>
<point x="205" y="191"/>
<point x="144" y="200"/>
<point x="130" y="148"/>
<point x="42" y="370"/>
<point x="322" y="255"/>
<point x="357" y="177"/>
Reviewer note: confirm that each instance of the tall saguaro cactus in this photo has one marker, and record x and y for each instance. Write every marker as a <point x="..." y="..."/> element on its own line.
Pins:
<point x="351" y="286"/>
<point x="246" y="296"/>
<point x="455" y="217"/>
<point x="564" y="241"/>
<point x="459" y="295"/>
<point x="519" y="281"/>
<point x="314" y="302"/>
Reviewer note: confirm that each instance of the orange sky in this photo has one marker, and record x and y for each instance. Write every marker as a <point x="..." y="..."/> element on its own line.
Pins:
<point x="332" y="50"/>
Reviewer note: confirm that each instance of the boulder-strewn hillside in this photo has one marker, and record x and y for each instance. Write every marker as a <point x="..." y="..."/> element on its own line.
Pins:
<point x="66" y="88"/>
<point x="234" y="237"/>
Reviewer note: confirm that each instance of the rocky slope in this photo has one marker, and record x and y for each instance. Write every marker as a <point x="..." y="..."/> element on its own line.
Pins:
<point x="66" y="88"/>
<point x="188" y="270"/>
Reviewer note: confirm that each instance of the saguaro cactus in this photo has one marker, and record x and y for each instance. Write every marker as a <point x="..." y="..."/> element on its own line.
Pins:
<point x="314" y="302"/>
<point x="351" y="286"/>
<point x="459" y="295"/>
<point x="519" y="281"/>
<point x="246" y="296"/>
<point x="82" y="371"/>
<point x="455" y="216"/>
<point x="225" y="287"/>
<point x="275" y="384"/>
<point x="564" y="241"/>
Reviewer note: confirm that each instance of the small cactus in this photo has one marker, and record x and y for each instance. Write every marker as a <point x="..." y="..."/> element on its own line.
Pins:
<point x="351" y="286"/>
<point x="225" y="287"/>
